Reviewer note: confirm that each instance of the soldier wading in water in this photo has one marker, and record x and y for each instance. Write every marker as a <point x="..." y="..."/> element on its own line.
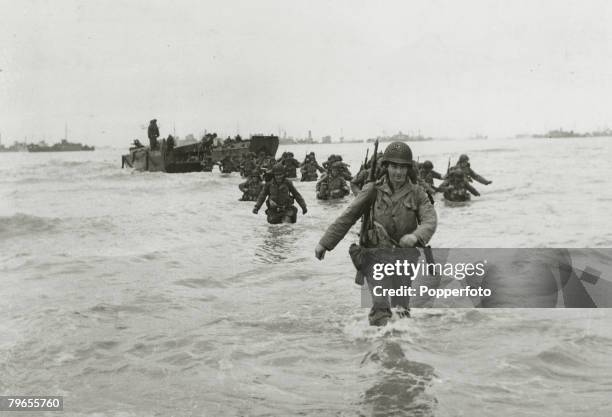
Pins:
<point x="403" y="217"/>
<point x="281" y="194"/>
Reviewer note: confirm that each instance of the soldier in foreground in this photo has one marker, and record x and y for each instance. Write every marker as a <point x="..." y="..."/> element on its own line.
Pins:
<point x="332" y="185"/>
<point x="280" y="194"/>
<point x="400" y="215"/>
<point x="251" y="188"/>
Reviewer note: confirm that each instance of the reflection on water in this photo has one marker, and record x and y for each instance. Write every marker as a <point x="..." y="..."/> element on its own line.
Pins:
<point x="278" y="243"/>
<point x="400" y="390"/>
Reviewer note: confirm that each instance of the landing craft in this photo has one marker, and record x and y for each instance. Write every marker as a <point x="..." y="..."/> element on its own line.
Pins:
<point x="190" y="158"/>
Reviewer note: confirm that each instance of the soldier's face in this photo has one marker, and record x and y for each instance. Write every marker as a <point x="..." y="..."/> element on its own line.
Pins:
<point x="397" y="173"/>
<point x="278" y="177"/>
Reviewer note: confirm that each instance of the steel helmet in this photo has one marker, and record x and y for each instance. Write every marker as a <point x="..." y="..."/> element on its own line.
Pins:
<point x="464" y="158"/>
<point x="427" y="165"/>
<point x="278" y="169"/>
<point x="398" y="153"/>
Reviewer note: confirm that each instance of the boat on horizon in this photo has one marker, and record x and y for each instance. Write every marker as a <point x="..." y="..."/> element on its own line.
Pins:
<point x="63" y="146"/>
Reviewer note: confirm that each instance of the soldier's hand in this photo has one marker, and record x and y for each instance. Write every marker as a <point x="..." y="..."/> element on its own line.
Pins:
<point x="320" y="252"/>
<point x="255" y="210"/>
<point x="408" y="241"/>
<point x="304" y="210"/>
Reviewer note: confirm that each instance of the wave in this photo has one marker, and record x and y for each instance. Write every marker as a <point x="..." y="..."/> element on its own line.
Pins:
<point x="23" y="224"/>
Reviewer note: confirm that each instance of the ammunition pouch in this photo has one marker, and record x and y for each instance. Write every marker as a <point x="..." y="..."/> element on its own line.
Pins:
<point x="274" y="207"/>
<point x="377" y="239"/>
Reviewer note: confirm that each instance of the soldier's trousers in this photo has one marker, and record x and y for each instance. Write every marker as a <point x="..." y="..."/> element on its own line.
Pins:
<point x="381" y="302"/>
<point x="309" y="177"/>
<point x="287" y="215"/>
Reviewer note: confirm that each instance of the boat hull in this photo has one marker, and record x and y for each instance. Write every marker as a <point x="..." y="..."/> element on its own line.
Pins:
<point x="189" y="158"/>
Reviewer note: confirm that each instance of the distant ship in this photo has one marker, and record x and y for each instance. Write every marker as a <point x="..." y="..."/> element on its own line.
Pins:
<point x="15" y="147"/>
<point x="63" y="146"/>
<point x="399" y="137"/>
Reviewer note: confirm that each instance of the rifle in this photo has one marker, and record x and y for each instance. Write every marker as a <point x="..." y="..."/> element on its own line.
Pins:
<point x="428" y="257"/>
<point x="366" y="219"/>
<point x="448" y="167"/>
<point x="365" y="161"/>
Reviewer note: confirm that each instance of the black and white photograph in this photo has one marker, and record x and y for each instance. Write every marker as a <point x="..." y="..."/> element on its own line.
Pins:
<point x="306" y="208"/>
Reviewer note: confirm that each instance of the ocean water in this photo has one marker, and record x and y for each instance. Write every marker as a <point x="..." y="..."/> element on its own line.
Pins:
<point x="150" y="294"/>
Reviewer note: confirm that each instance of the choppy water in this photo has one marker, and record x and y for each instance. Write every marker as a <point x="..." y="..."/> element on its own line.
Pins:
<point x="138" y="294"/>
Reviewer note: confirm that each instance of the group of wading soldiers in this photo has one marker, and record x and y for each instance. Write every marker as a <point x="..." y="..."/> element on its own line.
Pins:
<point x="331" y="185"/>
<point x="396" y="197"/>
<point x="270" y="181"/>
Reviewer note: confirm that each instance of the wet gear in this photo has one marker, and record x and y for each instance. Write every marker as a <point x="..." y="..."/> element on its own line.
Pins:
<point x="332" y="186"/>
<point x="456" y="186"/>
<point x="280" y="198"/>
<point x="396" y="213"/>
<point x="278" y="169"/>
<point x="251" y="188"/>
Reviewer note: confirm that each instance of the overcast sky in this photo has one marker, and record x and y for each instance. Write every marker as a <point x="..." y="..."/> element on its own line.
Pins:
<point x="445" y="68"/>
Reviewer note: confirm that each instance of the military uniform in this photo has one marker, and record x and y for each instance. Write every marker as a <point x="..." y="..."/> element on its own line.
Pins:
<point x="153" y="134"/>
<point x="291" y="165"/>
<point x="251" y="188"/>
<point x="280" y="201"/>
<point x="403" y="216"/>
<point x="456" y="186"/>
<point x="407" y="210"/>
<point x="309" y="170"/>
<point x="332" y="186"/>
<point x="464" y="165"/>
<point x="227" y="165"/>
<point x="427" y="174"/>
<point x="247" y="166"/>
<point x="361" y="179"/>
